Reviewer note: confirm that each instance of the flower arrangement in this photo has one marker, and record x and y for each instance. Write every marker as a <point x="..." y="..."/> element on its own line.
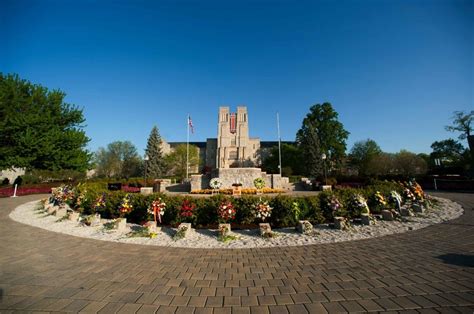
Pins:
<point x="262" y="210"/>
<point x="157" y="208"/>
<point x="125" y="206"/>
<point x="215" y="184"/>
<point x="408" y="195"/>
<point x="396" y="199"/>
<point x="180" y="233"/>
<point x="99" y="203"/>
<point x="307" y="227"/>
<point x="335" y="205"/>
<point x="295" y="208"/>
<point x="187" y="209"/>
<point x="379" y="200"/>
<point x="359" y="204"/>
<point x="417" y="191"/>
<point x="226" y="211"/>
<point x="62" y="194"/>
<point x="259" y="183"/>
<point x="81" y="198"/>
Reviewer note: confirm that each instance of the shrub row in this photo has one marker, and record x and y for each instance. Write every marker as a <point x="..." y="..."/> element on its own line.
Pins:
<point x="287" y="210"/>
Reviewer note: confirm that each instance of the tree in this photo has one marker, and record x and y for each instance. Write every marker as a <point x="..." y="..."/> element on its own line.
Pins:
<point x="176" y="160"/>
<point x="320" y="133"/>
<point x="362" y="153"/>
<point x="291" y="160"/>
<point x="118" y="160"/>
<point x="156" y="163"/>
<point x="448" y="151"/>
<point x="381" y="165"/>
<point x="409" y="164"/>
<point x="462" y="122"/>
<point x="38" y="129"/>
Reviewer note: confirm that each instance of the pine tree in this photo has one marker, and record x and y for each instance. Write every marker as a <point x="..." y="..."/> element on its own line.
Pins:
<point x="155" y="164"/>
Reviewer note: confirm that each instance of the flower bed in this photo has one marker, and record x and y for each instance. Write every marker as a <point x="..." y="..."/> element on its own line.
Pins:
<point x="243" y="191"/>
<point x="286" y="211"/>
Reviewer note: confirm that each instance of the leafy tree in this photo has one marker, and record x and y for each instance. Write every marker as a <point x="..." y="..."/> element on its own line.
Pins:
<point x="156" y="163"/>
<point x="320" y="133"/>
<point x="448" y="151"/>
<point x="462" y="122"/>
<point x="409" y="164"/>
<point x="38" y="129"/>
<point x="381" y="165"/>
<point x="291" y="160"/>
<point x="176" y="160"/>
<point x="118" y="160"/>
<point x="362" y="153"/>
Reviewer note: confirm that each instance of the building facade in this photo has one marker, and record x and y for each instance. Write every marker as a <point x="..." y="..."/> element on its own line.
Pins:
<point x="233" y="147"/>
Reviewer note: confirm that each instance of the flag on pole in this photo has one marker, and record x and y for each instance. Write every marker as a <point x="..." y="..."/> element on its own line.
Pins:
<point x="190" y="123"/>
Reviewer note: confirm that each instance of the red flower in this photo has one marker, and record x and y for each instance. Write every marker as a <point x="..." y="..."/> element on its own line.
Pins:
<point x="187" y="209"/>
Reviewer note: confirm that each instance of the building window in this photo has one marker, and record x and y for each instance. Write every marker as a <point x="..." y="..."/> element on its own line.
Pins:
<point x="233" y="155"/>
<point x="232" y="142"/>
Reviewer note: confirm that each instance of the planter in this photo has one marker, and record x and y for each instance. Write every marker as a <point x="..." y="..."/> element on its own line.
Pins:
<point x="304" y="227"/>
<point x="259" y="192"/>
<point x="224" y="229"/>
<point x="121" y="224"/>
<point x="73" y="216"/>
<point x="387" y="215"/>
<point x="365" y="219"/>
<point x="418" y="208"/>
<point x="237" y="190"/>
<point x="340" y="223"/>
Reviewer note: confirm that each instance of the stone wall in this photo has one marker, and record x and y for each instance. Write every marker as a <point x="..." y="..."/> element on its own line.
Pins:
<point x="245" y="176"/>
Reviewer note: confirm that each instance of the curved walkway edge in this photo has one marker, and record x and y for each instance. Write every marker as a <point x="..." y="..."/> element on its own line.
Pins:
<point x="427" y="270"/>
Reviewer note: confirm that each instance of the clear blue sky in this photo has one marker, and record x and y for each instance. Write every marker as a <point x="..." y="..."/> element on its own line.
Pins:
<point x="394" y="70"/>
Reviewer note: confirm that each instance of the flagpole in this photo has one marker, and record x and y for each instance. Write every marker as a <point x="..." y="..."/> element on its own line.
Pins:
<point x="187" y="149"/>
<point x="279" y="141"/>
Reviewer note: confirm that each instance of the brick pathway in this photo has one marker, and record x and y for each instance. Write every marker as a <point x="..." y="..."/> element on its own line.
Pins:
<point x="429" y="270"/>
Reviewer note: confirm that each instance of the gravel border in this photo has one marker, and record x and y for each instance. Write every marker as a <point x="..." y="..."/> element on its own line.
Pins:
<point x="29" y="214"/>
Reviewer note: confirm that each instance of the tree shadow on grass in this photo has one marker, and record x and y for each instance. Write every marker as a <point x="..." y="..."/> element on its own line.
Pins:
<point x="458" y="259"/>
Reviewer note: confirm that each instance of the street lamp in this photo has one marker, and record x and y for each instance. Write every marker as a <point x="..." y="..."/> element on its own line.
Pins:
<point x="323" y="157"/>
<point x="145" y="158"/>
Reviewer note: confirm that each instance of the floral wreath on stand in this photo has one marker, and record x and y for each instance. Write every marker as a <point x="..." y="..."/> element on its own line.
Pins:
<point x="215" y="184"/>
<point x="157" y="208"/>
<point x="259" y="183"/>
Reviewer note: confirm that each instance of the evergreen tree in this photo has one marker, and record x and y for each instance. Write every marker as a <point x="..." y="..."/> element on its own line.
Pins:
<point x="155" y="164"/>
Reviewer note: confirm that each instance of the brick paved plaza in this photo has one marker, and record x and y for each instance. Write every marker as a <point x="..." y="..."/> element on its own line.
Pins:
<point x="428" y="270"/>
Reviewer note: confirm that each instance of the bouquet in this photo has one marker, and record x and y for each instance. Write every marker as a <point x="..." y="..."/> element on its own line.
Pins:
<point x="187" y="209"/>
<point x="226" y="211"/>
<point x="262" y="210"/>
<point x="125" y="206"/>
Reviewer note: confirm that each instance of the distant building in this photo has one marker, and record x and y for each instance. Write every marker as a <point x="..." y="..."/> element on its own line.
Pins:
<point x="233" y="148"/>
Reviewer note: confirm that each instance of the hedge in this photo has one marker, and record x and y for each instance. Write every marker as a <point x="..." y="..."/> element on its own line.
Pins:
<point x="287" y="209"/>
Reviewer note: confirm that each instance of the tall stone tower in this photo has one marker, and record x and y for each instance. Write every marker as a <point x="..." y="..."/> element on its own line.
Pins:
<point x="234" y="147"/>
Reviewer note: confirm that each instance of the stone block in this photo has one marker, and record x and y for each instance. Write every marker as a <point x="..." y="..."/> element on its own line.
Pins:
<point x="60" y="212"/>
<point x="224" y="229"/>
<point x="265" y="229"/>
<point x="73" y="216"/>
<point x="186" y="226"/>
<point x="152" y="226"/>
<point x="405" y="211"/>
<point x="146" y="190"/>
<point x="365" y="219"/>
<point x="387" y="215"/>
<point x="121" y="224"/>
<point x="304" y="227"/>
<point x="326" y="187"/>
<point x="418" y="208"/>
<point x="340" y="223"/>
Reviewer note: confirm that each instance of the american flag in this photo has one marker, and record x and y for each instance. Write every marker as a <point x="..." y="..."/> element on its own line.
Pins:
<point x="190" y="123"/>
